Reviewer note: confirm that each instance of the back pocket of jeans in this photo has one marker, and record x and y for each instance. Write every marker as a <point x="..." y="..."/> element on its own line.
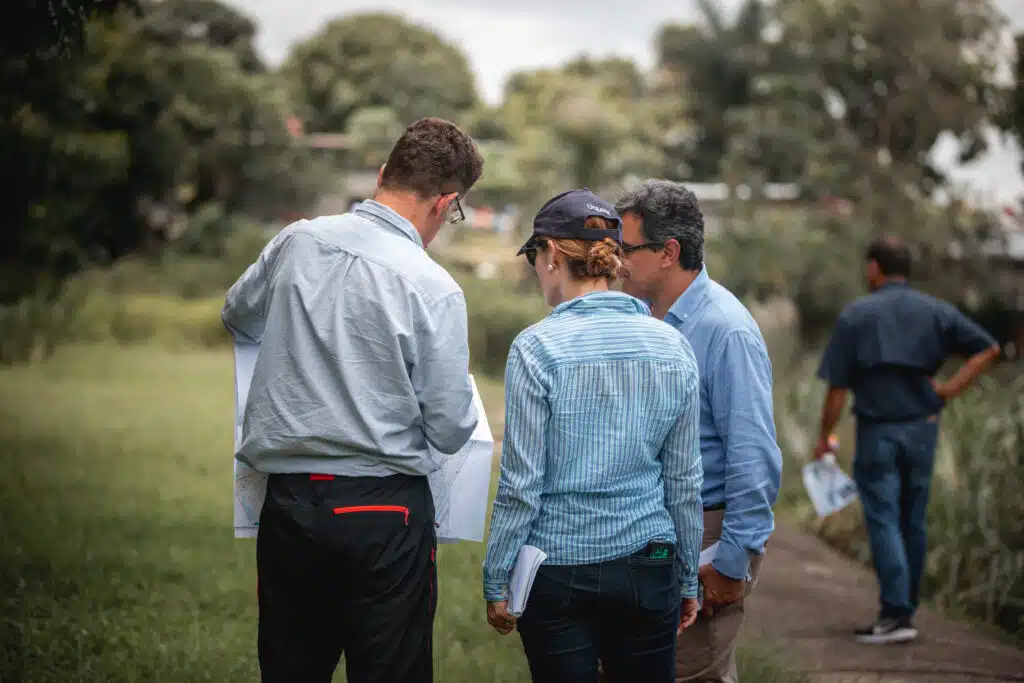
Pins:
<point x="655" y="588"/>
<point x="552" y="589"/>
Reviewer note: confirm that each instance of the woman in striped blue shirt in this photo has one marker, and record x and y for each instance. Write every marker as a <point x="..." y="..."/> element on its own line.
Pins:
<point x="600" y="465"/>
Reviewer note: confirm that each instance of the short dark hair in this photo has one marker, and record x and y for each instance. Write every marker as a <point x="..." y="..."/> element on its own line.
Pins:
<point x="433" y="157"/>
<point x="668" y="211"/>
<point x="892" y="256"/>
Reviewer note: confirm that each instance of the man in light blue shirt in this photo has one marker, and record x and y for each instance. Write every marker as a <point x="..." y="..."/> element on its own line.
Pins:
<point x="663" y="238"/>
<point x="362" y="373"/>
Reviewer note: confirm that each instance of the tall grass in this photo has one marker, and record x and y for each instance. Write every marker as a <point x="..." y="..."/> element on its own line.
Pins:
<point x="975" y="563"/>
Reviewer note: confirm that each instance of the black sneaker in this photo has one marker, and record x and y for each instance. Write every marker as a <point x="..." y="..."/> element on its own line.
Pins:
<point x="887" y="630"/>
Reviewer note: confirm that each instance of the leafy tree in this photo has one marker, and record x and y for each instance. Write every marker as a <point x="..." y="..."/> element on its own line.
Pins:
<point x="597" y="114"/>
<point x="155" y="116"/>
<point x="34" y="31"/>
<point x="377" y="60"/>
<point x="40" y="47"/>
<point x="895" y="77"/>
<point x="712" y="68"/>
<point x="851" y="97"/>
<point x="208" y="23"/>
<point x="372" y="132"/>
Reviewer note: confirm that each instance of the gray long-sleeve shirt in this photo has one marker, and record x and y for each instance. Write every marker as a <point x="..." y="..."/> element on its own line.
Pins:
<point x="364" y="357"/>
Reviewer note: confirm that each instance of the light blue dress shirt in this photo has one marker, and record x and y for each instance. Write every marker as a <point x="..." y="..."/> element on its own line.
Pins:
<point x="742" y="460"/>
<point x="600" y="454"/>
<point x="364" y="353"/>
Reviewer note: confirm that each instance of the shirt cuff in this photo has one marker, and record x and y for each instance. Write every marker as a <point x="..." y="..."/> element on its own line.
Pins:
<point x="495" y="586"/>
<point x="688" y="589"/>
<point x="687" y="578"/>
<point x="732" y="561"/>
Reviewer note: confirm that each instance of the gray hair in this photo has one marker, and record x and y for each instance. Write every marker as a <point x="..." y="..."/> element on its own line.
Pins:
<point x="668" y="211"/>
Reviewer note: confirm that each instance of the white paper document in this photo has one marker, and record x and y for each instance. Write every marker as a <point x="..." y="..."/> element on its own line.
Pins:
<point x="708" y="555"/>
<point x="829" y="488"/>
<point x="520" y="582"/>
<point x="460" y="485"/>
<point x="250" y="485"/>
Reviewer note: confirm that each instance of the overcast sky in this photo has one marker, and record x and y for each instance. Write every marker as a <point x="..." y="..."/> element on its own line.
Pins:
<point x="503" y="36"/>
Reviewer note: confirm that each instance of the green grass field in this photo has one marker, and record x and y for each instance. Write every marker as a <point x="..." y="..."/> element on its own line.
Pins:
<point x="117" y="561"/>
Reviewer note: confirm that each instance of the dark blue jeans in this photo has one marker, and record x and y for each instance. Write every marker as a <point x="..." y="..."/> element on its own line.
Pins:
<point x="623" y="611"/>
<point x="893" y="471"/>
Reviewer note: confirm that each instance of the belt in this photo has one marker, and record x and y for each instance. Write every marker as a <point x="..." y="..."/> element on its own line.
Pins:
<point x="895" y="420"/>
<point x="714" y="507"/>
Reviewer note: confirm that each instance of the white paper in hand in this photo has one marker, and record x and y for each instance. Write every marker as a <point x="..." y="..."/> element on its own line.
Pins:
<point x="250" y="485"/>
<point x="707" y="556"/>
<point x="828" y="486"/>
<point x="521" y="580"/>
<point x="461" y="484"/>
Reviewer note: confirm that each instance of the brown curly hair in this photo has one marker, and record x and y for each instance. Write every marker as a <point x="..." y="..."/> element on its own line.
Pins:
<point x="593" y="258"/>
<point x="433" y="157"/>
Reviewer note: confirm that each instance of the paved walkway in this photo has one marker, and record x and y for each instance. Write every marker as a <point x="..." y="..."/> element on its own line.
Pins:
<point x="809" y="599"/>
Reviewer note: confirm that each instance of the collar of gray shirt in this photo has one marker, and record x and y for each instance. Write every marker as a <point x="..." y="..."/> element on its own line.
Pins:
<point x="389" y="218"/>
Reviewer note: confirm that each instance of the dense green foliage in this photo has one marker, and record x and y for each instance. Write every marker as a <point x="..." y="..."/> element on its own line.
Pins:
<point x="110" y="150"/>
<point x="121" y="144"/>
<point x="380" y="61"/>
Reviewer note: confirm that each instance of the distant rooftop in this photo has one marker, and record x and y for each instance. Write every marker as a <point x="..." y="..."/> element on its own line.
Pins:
<point x="719" y="192"/>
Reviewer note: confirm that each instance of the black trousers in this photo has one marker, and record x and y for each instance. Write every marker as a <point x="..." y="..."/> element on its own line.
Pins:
<point x="346" y="565"/>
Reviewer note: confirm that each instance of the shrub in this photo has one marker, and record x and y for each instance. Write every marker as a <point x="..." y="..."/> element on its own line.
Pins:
<point x="175" y="301"/>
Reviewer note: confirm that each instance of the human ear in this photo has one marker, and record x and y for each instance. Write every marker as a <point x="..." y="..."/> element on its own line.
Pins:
<point x="670" y="253"/>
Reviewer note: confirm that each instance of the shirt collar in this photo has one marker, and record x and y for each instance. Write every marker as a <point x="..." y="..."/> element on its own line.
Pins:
<point x="390" y="218"/>
<point x="603" y="301"/>
<point x="891" y="284"/>
<point x="691" y="298"/>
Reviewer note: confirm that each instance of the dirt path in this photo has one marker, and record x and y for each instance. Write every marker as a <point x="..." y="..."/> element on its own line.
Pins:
<point x="809" y="599"/>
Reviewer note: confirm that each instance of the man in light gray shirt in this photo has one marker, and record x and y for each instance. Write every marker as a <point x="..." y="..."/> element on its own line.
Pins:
<point x="362" y="374"/>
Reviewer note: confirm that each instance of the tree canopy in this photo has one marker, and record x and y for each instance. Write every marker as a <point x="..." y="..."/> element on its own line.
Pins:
<point x="377" y="60"/>
<point x="123" y="120"/>
<point x="153" y="115"/>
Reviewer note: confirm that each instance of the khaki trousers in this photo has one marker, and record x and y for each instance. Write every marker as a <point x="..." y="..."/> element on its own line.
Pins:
<point x="706" y="652"/>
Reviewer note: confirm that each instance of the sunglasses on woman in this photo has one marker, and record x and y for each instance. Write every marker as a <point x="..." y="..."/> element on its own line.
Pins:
<point x="530" y="250"/>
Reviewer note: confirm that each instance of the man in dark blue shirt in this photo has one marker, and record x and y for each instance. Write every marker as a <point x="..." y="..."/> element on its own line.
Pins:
<point x="886" y="348"/>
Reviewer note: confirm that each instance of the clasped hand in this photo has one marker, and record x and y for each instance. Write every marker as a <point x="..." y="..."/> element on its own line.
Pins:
<point x="719" y="589"/>
<point x="499" y="618"/>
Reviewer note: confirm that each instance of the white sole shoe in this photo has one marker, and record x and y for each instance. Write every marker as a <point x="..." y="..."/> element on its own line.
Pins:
<point x="901" y="634"/>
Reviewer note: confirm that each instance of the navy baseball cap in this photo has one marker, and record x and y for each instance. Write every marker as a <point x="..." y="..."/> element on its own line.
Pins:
<point x="564" y="215"/>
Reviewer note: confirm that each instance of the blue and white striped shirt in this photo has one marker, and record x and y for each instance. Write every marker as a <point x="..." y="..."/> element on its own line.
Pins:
<point x="601" y="452"/>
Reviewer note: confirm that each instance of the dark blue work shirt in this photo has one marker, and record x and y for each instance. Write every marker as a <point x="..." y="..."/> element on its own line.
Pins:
<point x="887" y="346"/>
